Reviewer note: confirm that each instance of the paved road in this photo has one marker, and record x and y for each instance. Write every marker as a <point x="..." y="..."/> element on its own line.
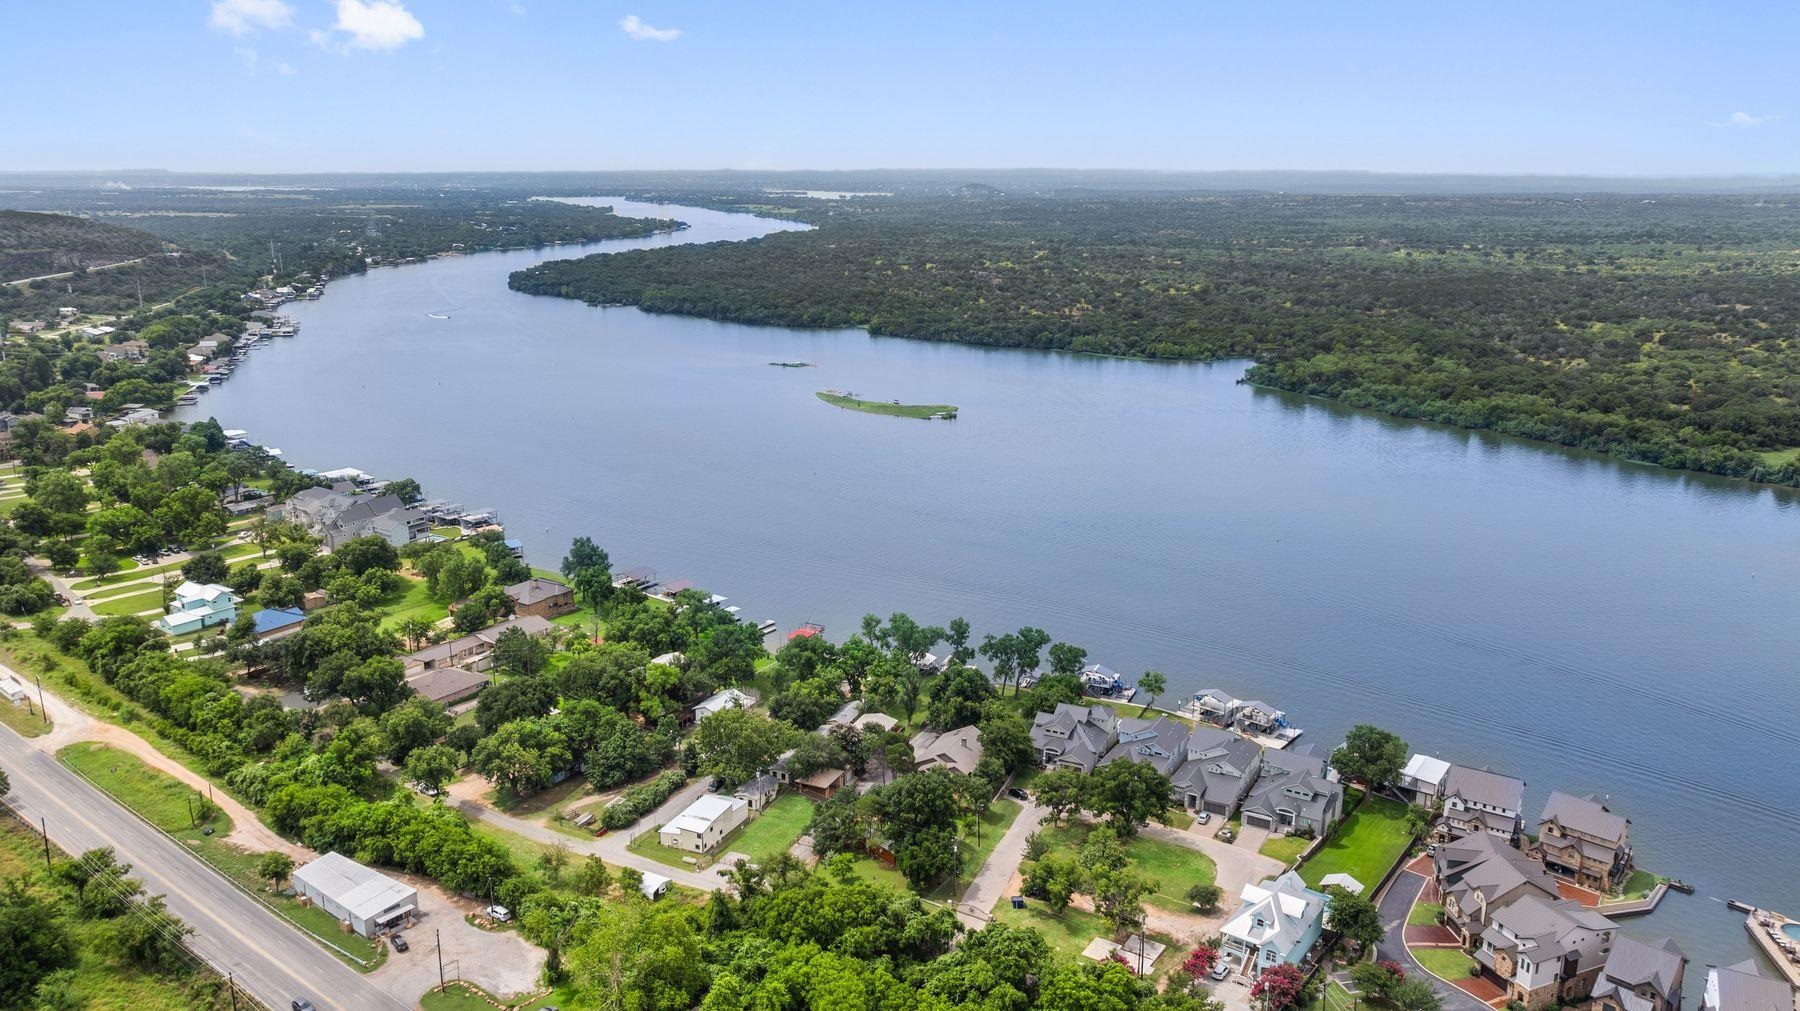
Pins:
<point x="1396" y="903"/>
<point x="267" y="957"/>
<point x="989" y="884"/>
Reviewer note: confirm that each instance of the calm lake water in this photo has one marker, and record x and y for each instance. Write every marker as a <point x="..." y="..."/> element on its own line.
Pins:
<point x="1586" y="624"/>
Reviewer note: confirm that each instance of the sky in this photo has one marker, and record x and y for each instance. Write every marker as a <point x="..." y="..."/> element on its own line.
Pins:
<point x="1641" y="88"/>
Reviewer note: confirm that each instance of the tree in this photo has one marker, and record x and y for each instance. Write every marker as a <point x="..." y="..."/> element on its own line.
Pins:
<point x="552" y="861"/>
<point x="190" y="515"/>
<point x="1128" y="794"/>
<point x="411" y="725"/>
<point x="1067" y="659"/>
<point x="1377" y="979"/>
<point x="1153" y="684"/>
<point x="274" y="867"/>
<point x="957" y="635"/>
<point x="207" y="567"/>
<point x="958" y="698"/>
<point x="33" y="942"/>
<point x="1205" y="896"/>
<point x="736" y="744"/>
<point x="1371" y="756"/>
<point x="592" y="877"/>
<point x="1415" y="995"/>
<point x="522" y="756"/>
<point x="1061" y="792"/>
<point x="1280" y="986"/>
<point x="153" y="937"/>
<point x="926" y="857"/>
<point x="1354" y="918"/>
<point x="433" y="765"/>
<point x="1200" y="961"/>
<point x="1055" y="878"/>
<point x="1006" y="738"/>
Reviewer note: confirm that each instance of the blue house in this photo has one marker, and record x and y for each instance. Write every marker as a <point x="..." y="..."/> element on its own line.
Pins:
<point x="197" y="606"/>
<point x="1278" y="920"/>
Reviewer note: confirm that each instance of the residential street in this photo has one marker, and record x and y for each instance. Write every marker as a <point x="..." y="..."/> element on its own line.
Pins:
<point x="990" y="881"/>
<point x="1395" y="903"/>
<point x="269" y="959"/>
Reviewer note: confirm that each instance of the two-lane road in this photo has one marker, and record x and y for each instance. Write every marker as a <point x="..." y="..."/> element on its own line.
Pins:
<point x="265" y="955"/>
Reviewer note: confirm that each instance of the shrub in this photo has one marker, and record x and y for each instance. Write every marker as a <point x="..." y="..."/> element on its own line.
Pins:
<point x="642" y="799"/>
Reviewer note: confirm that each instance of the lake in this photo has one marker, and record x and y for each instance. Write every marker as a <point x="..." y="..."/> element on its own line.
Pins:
<point x="1584" y="623"/>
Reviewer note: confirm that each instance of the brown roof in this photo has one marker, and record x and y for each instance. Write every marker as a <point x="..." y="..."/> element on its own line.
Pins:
<point x="447" y="684"/>
<point x="532" y="591"/>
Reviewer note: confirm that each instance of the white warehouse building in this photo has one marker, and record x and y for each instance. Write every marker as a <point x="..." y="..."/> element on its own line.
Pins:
<point x="366" y="899"/>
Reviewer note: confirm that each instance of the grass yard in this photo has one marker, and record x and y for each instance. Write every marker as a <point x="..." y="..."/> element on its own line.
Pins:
<point x="165" y="802"/>
<point x="1640" y="884"/>
<point x="974" y="853"/>
<point x="21" y="719"/>
<point x="414" y="601"/>
<point x="1171" y="868"/>
<point x="1285" y="848"/>
<point x="1365" y="845"/>
<point x="469" y="997"/>
<point x="1333" y="997"/>
<point x="650" y="845"/>
<point x="131" y="603"/>
<point x="1450" y="963"/>
<point x="1424" y="914"/>
<point x="1068" y="932"/>
<point x="771" y="833"/>
<point x="101" y="980"/>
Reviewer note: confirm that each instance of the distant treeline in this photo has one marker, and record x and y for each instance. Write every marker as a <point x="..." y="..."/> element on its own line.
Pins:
<point x="1656" y="329"/>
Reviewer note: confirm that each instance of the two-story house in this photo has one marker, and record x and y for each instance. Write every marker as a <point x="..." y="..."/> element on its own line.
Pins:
<point x="1743" y="987"/>
<point x="1641" y="977"/>
<point x="1477" y="801"/>
<point x="1583" y="841"/>
<point x="1545" y="951"/>
<point x="1479" y="875"/>
<point x="1074" y="737"/>
<point x="197" y="606"/>
<point x="1160" y="743"/>
<point x="1422" y="781"/>
<point x="1293" y="793"/>
<point x="1278" y="920"/>
<point x="1219" y="771"/>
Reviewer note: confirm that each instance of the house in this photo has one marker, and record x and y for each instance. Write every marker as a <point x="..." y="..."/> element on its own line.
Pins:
<point x="1583" y="841"/>
<point x="705" y="823"/>
<point x="474" y="651"/>
<point x="1422" y="781"/>
<point x="729" y="698"/>
<point x="1479" y="801"/>
<point x="1293" y="794"/>
<point x="819" y="786"/>
<point x="1480" y="874"/>
<point x="367" y="900"/>
<point x="197" y="606"/>
<point x="1641" y="977"/>
<point x="873" y="722"/>
<point x="1277" y="921"/>
<point x="545" y="598"/>
<point x="1160" y="743"/>
<point x="1074" y="737"/>
<point x="959" y="750"/>
<point x="759" y="793"/>
<point x="1215" y="705"/>
<point x="136" y="416"/>
<point x="277" y="622"/>
<point x="1258" y="717"/>
<point x="312" y="600"/>
<point x="1219" y="771"/>
<point x="1545" y="951"/>
<point x="27" y="326"/>
<point x="401" y="526"/>
<point x="1743" y="987"/>
<point x="447" y="685"/>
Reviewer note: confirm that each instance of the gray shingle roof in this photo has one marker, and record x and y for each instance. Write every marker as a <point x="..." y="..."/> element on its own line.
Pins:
<point x="1481" y="787"/>
<point x="1583" y="815"/>
<point x="1632" y="963"/>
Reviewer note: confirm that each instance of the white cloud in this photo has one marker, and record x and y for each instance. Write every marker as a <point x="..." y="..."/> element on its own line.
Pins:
<point x="241" y="17"/>
<point x="635" y="27"/>
<point x="369" y="24"/>
<point x="1746" y="120"/>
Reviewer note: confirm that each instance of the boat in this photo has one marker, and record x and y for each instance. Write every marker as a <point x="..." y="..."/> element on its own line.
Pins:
<point x="1100" y="681"/>
<point x="187" y="399"/>
<point x="766" y="626"/>
<point x="1740" y="905"/>
<point x="1678" y="885"/>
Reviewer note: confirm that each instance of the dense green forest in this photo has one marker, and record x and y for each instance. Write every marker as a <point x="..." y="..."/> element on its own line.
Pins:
<point x="1656" y="329"/>
<point x="32" y="245"/>
<point x="232" y="237"/>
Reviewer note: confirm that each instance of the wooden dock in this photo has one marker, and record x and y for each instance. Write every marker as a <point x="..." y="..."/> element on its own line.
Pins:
<point x="1762" y="923"/>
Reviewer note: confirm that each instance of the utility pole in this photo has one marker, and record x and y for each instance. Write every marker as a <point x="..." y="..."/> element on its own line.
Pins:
<point x="42" y="708"/>
<point x="440" y="949"/>
<point x="45" y="829"/>
<point x="190" y="806"/>
<point x="231" y="985"/>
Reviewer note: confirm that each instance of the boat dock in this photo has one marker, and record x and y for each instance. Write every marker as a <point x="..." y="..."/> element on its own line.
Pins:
<point x="1778" y="937"/>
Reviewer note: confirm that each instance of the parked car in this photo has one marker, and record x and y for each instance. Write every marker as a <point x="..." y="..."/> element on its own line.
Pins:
<point x="302" y="1004"/>
<point x="399" y="942"/>
<point x="500" y="913"/>
<point x="1017" y="794"/>
<point x="1203" y="817"/>
<point x="1220" y="970"/>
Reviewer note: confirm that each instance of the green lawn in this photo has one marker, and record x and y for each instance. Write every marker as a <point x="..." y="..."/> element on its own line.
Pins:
<point x="1171" y="868"/>
<point x="1424" y="914"/>
<point x="1068" y="932"/>
<point x="1450" y="963"/>
<point x="151" y="600"/>
<point x="884" y="407"/>
<point x="129" y="569"/>
<point x="650" y="845"/>
<point x="469" y="997"/>
<point x="1285" y="848"/>
<point x="974" y="852"/>
<point x="413" y="601"/>
<point x="1365" y="845"/>
<point x="1640" y="884"/>
<point x="20" y="717"/>
<point x="166" y="802"/>
<point x="771" y="833"/>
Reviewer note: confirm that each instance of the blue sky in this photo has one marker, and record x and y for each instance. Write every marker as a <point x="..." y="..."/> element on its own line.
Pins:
<point x="322" y="85"/>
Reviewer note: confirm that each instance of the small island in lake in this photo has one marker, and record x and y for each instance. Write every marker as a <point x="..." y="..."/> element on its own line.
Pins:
<point x="946" y="412"/>
<point x="792" y="365"/>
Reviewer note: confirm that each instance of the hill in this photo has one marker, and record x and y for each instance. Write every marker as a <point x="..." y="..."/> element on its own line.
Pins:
<point x="32" y="244"/>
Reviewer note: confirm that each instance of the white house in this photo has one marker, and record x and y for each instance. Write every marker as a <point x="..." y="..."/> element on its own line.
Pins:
<point x="1277" y="921"/>
<point x="1423" y="779"/>
<point x="198" y="606"/>
<point x="730" y="698"/>
<point x="705" y="823"/>
<point x="367" y="900"/>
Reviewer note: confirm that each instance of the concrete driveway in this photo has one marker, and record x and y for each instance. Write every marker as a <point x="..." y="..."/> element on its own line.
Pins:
<point x="1237" y="865"/>
<point x="989" y="883"/>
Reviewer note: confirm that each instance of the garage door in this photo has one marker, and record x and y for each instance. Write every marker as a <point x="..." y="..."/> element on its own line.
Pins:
<point x="1258" y="820"/>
